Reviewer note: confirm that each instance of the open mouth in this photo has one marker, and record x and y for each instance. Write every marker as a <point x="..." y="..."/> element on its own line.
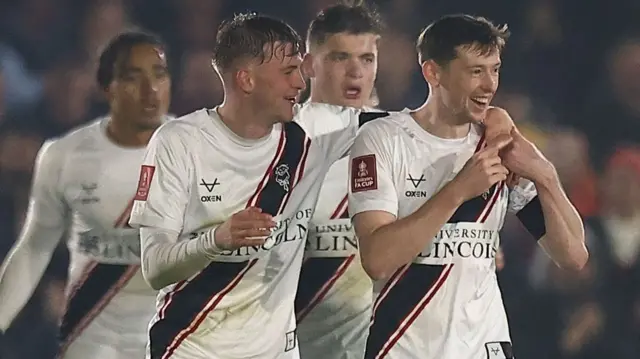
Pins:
<point x="481" y="101"/>
<point x="352" y="92"/>
<point x="291" y="99"/>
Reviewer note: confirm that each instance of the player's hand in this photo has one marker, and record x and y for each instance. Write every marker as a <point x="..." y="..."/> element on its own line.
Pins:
<point x="524" y="158"/>
<point x="498" y="122"/>
<point x="483" y="170"/>
<point x="249" y="227"/>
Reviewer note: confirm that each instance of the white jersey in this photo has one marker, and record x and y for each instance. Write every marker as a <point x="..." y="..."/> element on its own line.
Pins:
<point x="197" y="172"/>
<point x="334" y="298"/>
<point x="446" y="303"/>
<point x="333" y="303"/>
<point x="84" y="187"/>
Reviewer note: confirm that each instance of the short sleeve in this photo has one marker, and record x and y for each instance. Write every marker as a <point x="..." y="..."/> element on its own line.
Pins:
<point x="47" y="207"/>
<point x="163" y="186"/>
<point x="334" y="128"/>
<point x="524" y="202"/>
<point x="371" y="185"/>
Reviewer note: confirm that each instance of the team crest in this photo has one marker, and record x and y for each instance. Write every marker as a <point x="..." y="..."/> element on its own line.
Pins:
<point x="282" y="176"/>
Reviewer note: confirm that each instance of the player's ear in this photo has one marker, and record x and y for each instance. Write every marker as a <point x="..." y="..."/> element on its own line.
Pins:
<point x="431" y="73"/>
<point x="307" y="66"/>
<point x="244" y="79"/>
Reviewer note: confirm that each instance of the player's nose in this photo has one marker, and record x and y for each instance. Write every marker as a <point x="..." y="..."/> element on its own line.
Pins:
<point x="298" y="81"/>
<point x="490" y="84"/>
<point x="149" y="87"/>
<point x="355" y="70"/>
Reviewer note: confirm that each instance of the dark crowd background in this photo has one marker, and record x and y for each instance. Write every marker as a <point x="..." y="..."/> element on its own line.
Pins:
<point x="571" y="80"/>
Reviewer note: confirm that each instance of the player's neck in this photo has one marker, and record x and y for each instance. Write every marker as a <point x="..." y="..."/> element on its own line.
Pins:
<point x="243" y="120"/>
<point x="316" y="95"/>
<point x="123" y="134"/>
<point x="439" y="121"/>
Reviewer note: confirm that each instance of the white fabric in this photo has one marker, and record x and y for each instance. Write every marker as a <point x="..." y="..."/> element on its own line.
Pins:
<point x="84" y="185"/>
<point x="201" y="174"/>
<point x="447" y="303"/>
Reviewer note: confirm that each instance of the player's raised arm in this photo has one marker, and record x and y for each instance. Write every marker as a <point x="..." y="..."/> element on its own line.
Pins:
<point x="386" y="243"/>
<point x="43" y="229"/>
<point x="543" y="207"/>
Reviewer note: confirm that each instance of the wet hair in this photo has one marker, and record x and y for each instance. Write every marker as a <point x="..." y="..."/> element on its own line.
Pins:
<point x="440" y="40"/>
<point x="118" y="50"/>
<point x="252" y="36"/>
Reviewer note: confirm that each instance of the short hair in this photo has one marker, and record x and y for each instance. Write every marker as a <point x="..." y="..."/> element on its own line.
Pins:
<point x="354" y="19"/>
<point x="119" y="49"/>
<point x="253" y="36"/>
<point x="440" y="40"/>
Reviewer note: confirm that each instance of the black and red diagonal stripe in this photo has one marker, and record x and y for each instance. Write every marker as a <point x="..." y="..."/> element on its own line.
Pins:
<point x="403" y="302"/>
<point x="319" y="274"/>
<point x="95" y="289"/>
<point x="191" y="301"/>
<point x="186" y="308"/>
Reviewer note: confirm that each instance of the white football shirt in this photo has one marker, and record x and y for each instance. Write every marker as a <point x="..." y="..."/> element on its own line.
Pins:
<point x="333" y="303"/>
<point x="84" y="186"/>
<point x="197" y="172"/>
<point x="446" y="303"/>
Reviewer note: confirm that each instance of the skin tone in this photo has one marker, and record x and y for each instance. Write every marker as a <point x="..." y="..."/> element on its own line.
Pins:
<point x="139" y="95"/>
<point x="461" y="91"/>
<point x="343" y="69"/>
<point x="261" y="94"/>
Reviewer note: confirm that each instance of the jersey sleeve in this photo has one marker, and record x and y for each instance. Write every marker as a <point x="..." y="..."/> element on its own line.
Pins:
<point x="371" y="184"/>
<point x="334" y="128"/>
<point x="44" y="226"/>
<point x="47" y="207"/>
<point x="163" y="186"/>
<point x="524" y="202"/>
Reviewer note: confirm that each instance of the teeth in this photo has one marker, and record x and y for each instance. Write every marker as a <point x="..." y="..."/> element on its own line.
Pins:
<point x="482" y="100"/>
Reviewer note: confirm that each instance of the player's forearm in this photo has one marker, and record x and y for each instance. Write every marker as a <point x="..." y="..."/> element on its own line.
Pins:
<point x="564" y="239"/>
<point x="396" y="244"/>
<point x="23" y="268"/>
<point x="165" y="260"/>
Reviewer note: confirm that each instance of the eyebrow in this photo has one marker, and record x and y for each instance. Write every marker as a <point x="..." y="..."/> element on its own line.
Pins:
<point x="347" y="53"/>
<point x="494" y="65"/>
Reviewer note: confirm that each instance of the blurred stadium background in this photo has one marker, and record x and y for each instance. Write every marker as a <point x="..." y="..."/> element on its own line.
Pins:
<point x="571" y="80"/>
